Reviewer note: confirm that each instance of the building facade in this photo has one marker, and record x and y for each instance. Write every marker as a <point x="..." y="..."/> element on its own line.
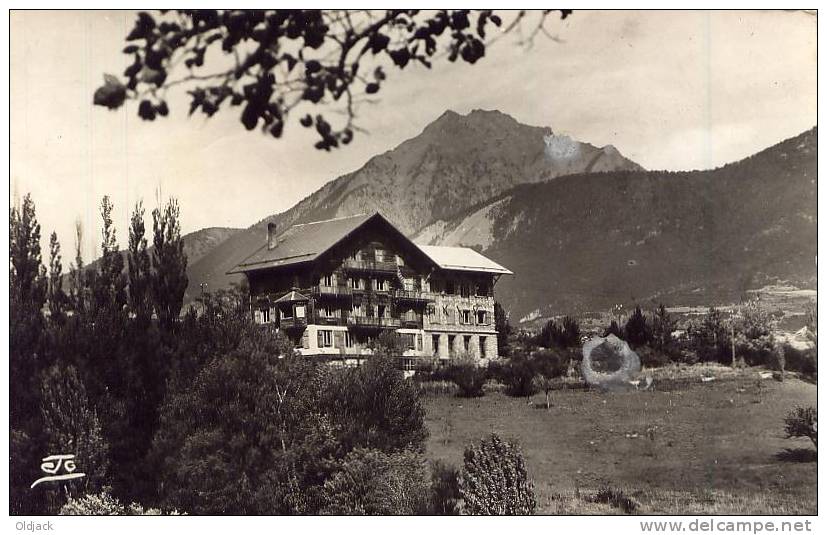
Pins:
<point x="334" y="286"/>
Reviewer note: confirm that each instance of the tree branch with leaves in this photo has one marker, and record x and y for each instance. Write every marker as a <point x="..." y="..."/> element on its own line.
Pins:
<point x="277" y="61"/>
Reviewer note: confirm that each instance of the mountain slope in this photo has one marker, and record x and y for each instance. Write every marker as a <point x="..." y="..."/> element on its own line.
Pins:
<point x="587" y="241"/>
<point x="196" y="245"/>
<point x="456" y="162"/>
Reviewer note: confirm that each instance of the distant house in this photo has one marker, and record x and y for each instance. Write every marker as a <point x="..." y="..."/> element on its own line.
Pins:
<point x="333" y="286"/>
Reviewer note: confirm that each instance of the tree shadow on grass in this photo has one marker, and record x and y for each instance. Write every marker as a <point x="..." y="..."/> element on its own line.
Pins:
<point x="797" y="455"/>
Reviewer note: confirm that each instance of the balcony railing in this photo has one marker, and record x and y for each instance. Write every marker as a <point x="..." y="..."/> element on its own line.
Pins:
<point x="370" y="265"/>
<point x="413" y="295"/>
<point x="373" y="322"/>
<point x="331" y="291"/>
<point x="293" y="323"/>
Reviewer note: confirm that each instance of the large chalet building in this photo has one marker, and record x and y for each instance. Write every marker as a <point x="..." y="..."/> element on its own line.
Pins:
<point x="334" y="286"/>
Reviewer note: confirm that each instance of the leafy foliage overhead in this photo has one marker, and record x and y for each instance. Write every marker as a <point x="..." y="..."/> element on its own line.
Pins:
<point x="280" y="59"/>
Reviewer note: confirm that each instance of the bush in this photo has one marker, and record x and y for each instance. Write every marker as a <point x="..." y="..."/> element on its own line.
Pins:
<point x="802" y="422"/>
<point x="517" y="374"/>
<point x="372" y="482"/>
<point x="548" y="366"/>
<point x="445" y="493"/>
<point x="469" y="377"/>
<point x="651" y="357"/>
<point x="494" y="480"/>
<point x="374" y="406"/>
<point x="802" y="361"/>
<point x="637" y="330"/>
<point x="563" y="335"/>
<point x="103" y="504"/>
<point x="616" y="498"/>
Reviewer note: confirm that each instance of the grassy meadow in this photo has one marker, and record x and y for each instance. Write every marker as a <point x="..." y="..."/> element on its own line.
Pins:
<point x="687" y="447"/>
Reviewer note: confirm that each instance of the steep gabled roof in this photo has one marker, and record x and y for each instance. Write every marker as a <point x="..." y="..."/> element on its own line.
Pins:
<point x="306" y="242"/>
<point x="462" y="259"/>
<point x="303" y="242"/>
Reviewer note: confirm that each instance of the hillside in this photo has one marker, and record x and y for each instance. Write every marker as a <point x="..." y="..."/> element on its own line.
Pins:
<point x="196" y="244"/>
<point x="456" y="162"/>
<point x="587" y="241"/>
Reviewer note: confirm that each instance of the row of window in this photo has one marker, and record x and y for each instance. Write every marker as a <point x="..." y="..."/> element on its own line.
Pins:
<point x="451" y="315"/>
<point x="327" y="339"/>
<point x="466" y="341"/>
<point x="449" y="287"/>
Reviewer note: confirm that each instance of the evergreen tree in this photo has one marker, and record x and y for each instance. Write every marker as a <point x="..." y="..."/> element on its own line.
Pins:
<point x="637" y="329"/>
<point x="109" y="290"/>
<point x="139" y="268"/>
<point x="663" y="324"/>
<point x="169" y="262"/>
<point x="27" y="276"/>
<point x="57" y="298"/>
<point x="503" y="329"/>
<point x="72" y="427"/>
<point x="27" y="293"/>
<point x="77" y="280"/>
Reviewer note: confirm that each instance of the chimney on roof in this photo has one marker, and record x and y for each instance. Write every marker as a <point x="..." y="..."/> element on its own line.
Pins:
<point x="271" y="235"/>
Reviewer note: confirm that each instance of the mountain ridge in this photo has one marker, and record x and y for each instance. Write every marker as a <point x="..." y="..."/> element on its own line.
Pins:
<point x="455" y="162"/>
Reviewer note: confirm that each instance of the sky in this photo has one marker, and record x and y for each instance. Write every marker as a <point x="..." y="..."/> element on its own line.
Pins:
<point x="670" y="90"/>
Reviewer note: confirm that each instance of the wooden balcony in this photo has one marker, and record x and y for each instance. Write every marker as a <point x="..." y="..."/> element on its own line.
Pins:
<point x="413" y="296"/>
<point x="367" y="322"/>
<point x="385" y="266"/>
<point x="332" y="291"/>
<point x="292" y="323"/>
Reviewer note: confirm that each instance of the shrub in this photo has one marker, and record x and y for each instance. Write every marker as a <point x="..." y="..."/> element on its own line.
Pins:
<point x="372" y="482"/>
<point x="494" y="480"/>
<point x="548" y="366"/>
<point x="614" y="329"/>
<point x="802" y="422"/>
<point x="469" y="377"/>
<point x="563" y="335"/>
<point x="445" y="493"/>
<point x="103" y="504"/>
<point x="710" y="338"/>
<point x="637" y="330"/>
<point x="802" y="361"/>
<point x="517" y="374"/>
<point x="374" y="406"/>
<point x="616" y="498"/>
<point x="651" y="357"/>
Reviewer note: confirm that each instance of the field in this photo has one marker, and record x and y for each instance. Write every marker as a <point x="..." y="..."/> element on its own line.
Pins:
<point x="688" y="447"/>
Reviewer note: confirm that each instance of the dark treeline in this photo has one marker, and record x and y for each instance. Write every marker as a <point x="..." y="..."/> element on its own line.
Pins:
<point x="88" y="364"/>
<point x="201" y="413"/>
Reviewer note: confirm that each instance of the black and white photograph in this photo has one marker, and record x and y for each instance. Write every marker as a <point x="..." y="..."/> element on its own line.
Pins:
<point x="547" y="263"/>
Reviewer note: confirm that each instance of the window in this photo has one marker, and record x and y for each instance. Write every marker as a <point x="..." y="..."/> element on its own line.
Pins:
<point x="482" y="346"/>
<point x="348" y="339"/>
<point x="265" y="315"/>
<point x="481" y="319"/>
<point x="380" y="285"/>
<point x="326" y="311"/>
<point x="381" y="254"/>
<point x="451" y="342"/>
<point x="466" y="343"/>
<point x="327" y="280"/>
<point x="419" y="342"/>
<point x="287" y="314"/>
<point x="299" y="311"/>
<point x="465" y="317"/>
<point x="435" y="343"/>
<point x="355" y="283"/>
<point x="325" y="338"/>
<point x="409" y="340"/>
<point x="380" y="311"/>
<point x="357" y="309"/>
